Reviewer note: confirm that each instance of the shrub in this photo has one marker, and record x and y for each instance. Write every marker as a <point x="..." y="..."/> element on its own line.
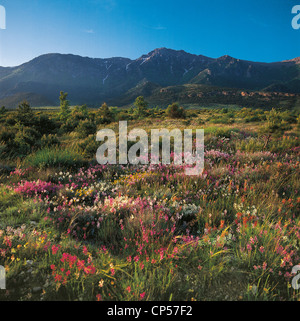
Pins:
<point x="45" y="125"/>
<point x="54" y="157"/>
<point x="174" y="111"/>
<point x="104" y="115"/>
<point x="49" y="141"/>
<point x="25" y="116"/>
<point x="89" y="147"/>
<point x="140" y="107"/>
<point x="26" y="140"/>
<point x="86" y="128"/>
<point x="226" y="119"/>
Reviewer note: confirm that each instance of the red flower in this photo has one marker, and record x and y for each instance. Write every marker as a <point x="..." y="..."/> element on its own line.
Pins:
<point x="54" y="249"/>
<point x="90" y="269"/>
<point x="80" y="264"/>
<point x="57" y="278"/>
<point x="142" y="295"/>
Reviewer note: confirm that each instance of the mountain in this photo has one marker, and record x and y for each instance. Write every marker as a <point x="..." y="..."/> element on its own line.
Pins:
<point x="120" y="80"/>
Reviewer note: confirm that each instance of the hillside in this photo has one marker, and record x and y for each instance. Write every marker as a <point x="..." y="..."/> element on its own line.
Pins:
<point x="119" y="80"/>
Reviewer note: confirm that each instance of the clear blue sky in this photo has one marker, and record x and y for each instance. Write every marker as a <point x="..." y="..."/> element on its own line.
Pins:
<point x="258" y="30"/>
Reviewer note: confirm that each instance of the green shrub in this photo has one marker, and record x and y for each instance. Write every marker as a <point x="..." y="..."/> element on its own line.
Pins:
<point x="86" y="128"/>
<point x="250" y="145"/>
<point x="104" y="115"/>
<point x="49" y="141"/>
<point x="54" y="157"/>
<point x="226" y="119"/>
<point x="88" y="147"/>
<point x="26" y="140"/>
<point x="174" y="111"/>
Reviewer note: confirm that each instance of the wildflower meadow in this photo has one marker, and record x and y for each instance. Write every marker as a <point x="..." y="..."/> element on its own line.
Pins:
<point x="72" y="229"/>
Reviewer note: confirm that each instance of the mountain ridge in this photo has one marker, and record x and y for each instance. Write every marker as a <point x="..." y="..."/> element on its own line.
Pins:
<point x="94" y="80"/>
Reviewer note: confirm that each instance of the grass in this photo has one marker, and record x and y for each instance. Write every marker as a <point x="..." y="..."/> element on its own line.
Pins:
<point x="69" y="231"/>
<point x="54" y="157"/>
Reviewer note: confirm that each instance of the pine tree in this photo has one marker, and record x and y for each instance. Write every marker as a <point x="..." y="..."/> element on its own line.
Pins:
<point x="65" y="110"/>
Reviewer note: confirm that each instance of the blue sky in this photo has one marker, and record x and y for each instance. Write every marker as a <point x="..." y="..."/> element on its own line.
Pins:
<point x="258" y="30"/>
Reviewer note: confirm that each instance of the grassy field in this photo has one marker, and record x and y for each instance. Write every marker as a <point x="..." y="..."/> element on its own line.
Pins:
<point x="71" y="229"/>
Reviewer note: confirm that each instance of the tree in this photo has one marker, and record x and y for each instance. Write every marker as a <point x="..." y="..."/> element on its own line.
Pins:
<point x="80" y="112"/>
<point x="141" y="106"/>
<point x="174" y="111"/>
<point x="3" y="110"/>
<point x="275" y="126"/>
<point x="86" y="128"/>
<point x="25" y="115"/>
<point x="64" y="106"/>
<point x="104" y="115"/>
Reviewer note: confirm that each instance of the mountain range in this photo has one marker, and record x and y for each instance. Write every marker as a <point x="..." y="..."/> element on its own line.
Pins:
<point x="160" y="75"/>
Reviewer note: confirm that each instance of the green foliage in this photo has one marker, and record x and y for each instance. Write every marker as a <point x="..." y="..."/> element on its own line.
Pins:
<point x="104" y="115"/>
<point x="174" y="111"/>
<point x="86" y="128"/>
<point x="25" y="115"/>
<point x="49" y="141"/>
<point x="275" y="126"/>
<point x="3" y="110"/>
<point x="54" y="157"/>
<point x="140" y="107"/>
<point x="226" y="119"/>
<point x="45" y="125"/>
<point x="65" y="110"/>
<point x="80" y="112"/>
<point x="26" y="140"/>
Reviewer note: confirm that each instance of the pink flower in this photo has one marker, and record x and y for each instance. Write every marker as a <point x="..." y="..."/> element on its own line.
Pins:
<point x="142" y="295"/>
<point x="261" y="249"/>
<point x="128" y="288"/>
<point x="264" y="266"/>
<point x="54" y="249"/>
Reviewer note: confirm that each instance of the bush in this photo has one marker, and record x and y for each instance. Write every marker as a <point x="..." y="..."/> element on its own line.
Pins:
<point x="226" y="119"/>
<point x="104" y="115"/>
<point x="174" y="111"/>
<point x="45" y="125"/>
<point x="49" y="141"/>
<point x="54" y="157"/>
<point x="89" y="147"/>
<point x="26" y="140"/>
<point x="86" y="128"/>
